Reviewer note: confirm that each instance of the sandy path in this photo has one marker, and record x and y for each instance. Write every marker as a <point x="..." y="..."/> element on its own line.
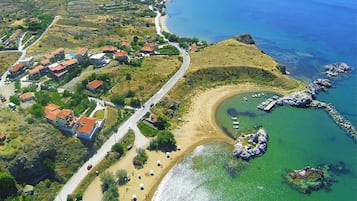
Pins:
<point x="199" y="128"/>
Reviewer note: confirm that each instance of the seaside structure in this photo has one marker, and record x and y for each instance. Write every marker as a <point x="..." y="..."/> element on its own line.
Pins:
<point x="16" y="70"/>
<point x="81" y="55"/>
<point x="97" y="59"/>
<point x="37" y="72"/>
<point x="94" y="85"/>
<point x="27" y="96"/>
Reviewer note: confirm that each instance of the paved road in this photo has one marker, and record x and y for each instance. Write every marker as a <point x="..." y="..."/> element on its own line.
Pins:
<point x="76" y="179"/>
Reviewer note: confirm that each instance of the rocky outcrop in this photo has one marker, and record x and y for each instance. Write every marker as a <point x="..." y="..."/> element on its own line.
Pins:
<point x="297" y="99"/>
<point x="335" y="69"/>
<point x="245" y="38"/>
<point x="311" y="179"/>
<point x="248" y="146"/>
<point x="31" y="169"/>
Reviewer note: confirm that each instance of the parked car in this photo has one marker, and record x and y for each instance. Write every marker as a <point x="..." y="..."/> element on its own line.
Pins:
<point x="89" y="166"/>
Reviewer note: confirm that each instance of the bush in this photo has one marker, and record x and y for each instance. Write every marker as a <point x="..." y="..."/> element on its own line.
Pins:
<point x="7" y="185"/>
<point x="36" y="111"/>
<point x="117" y="99"/>
<point x="164" y="141"/>
<point x="140" y="159"/>
<point x="122" y="177"/>
<point x="118" y="148"/>
<point x="30" y="120"/>
<point x="15" y="100"/>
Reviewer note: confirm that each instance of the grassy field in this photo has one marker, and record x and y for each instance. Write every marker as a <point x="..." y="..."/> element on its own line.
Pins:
<point x="227" y="62"/>
<point x="147" y="130"/>
<point x="153" y="73"/>
<point x="99" y="114"/>
<point x="7" y="59"/>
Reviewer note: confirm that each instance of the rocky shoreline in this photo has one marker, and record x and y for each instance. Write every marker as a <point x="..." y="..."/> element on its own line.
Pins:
<point x="307" y="98"/>
<point x="248" y="146"/>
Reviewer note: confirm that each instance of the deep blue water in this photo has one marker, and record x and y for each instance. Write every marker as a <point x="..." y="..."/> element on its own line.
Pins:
<point x="304" y="35"/>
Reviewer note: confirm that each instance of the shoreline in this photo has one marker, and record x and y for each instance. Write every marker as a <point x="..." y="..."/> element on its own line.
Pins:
<point x="201" y="128"/>
<point x="163" y="21"/>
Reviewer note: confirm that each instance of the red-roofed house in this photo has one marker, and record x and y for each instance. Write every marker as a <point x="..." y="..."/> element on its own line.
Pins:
<point x="56" y="55"/>
<point x="125" y="44"/>
<point x="81" y="55"/>
<point x="70" y="64"/>
<point x="147" y="50"/>
<point x="63" y="119"/>
<point x="87" y="127"/>
<point x="37" y="72"/>
<point x="121" y="56"/>
<point x="45" y="62"/>
<point x="16" y="70"/>
<point x="94" y="85"/>
<point x="27" y="96"/>
<point x="2" y="137"/>
<point x="109" y="49"/>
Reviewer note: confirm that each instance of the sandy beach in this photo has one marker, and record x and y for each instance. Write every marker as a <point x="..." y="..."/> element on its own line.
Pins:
<point x="199" y="127"/>
<point x="163" y="23"/>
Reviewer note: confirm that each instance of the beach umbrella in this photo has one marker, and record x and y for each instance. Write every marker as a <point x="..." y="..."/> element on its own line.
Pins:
<point x="142" y="186"/>
<point x="134" y="197"/>
<point x="168" y="154"/>
<point x="178" y="147"/>
<point x="151" y="172"/>
<point x="158" y="163"/>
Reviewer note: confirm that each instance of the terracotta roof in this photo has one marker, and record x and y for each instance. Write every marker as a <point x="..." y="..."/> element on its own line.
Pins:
<point x="17" y="67"/>
<point x="59" y="67"/>
<point x="147" y="49"/>
<point x="153" y="117"/>
<point x="125" y="44"/>
<point x="15" y="35"/>
<point x="121" y="54"/>
<point x="49" y="56"/>
<point x="85" y="124"/>
<point x="95" y="84"/>
<point x="27" y="95"/>
<point x="69" y="62"/>
<point x="82" y="51"/>
<point x="58" y="50"/>
<point x="109" y="49"/>
<point x="51" y="107"/>
<point x="61" y="73"/>
<point x="65" y="113"/>
<point x="2" y="137"/>
<point x="36" y="69"/>
<point x="45" y="62"/>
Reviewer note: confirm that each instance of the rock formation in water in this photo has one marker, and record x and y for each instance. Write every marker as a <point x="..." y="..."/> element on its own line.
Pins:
<point x="248" y="146"/>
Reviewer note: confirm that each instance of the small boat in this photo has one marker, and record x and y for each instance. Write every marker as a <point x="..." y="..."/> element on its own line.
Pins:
<point x="236" y="122"/>
<point x="234" y="118"/>
<point x="245" y="98"/>
<point x="236" y="127"/>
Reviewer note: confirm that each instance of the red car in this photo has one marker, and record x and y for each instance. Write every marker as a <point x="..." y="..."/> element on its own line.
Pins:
<point x="89" y="166"/>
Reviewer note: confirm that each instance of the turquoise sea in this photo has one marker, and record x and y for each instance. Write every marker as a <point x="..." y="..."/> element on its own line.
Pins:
<point x="304" y="35"/>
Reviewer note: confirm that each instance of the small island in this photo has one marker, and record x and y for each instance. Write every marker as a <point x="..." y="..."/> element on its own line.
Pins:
<point x="250" y="145"/>
<point x="311" y="179"/>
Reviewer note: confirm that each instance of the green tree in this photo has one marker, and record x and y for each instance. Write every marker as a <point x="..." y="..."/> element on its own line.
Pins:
<point x="7" y="185"/>
<point x="122" y="177"/>
<point x="37" y="110"/>
<point x="134" y="102"/>
<point x="162" y="123"/>
<point x="107" y="179"/>
<point x="118" y="148"/>
<point x="15" y="100"/>
<point x="118" y="99"/>
<point x="140" y="159"/>
<point x="164" y="141"/>
<point x="130" y="94"/>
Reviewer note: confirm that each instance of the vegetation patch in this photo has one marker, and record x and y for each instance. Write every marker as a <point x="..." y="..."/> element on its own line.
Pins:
<point x="147" y="130"/>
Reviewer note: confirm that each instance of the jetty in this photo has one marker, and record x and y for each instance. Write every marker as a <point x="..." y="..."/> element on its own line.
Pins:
<point x="248" y="146"/>
<point x="270" y="105"/>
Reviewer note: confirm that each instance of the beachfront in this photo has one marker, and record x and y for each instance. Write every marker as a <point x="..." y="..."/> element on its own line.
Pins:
<point x="198" y="128"/>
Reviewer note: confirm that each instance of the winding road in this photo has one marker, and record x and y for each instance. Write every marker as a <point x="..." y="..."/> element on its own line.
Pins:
<point x="82" y="172"/>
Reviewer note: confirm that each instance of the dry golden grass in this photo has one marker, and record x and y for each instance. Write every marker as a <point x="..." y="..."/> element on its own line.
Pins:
<point x="7" y="59"/>
<point x="231" y="53"/>
<point x="153" y="73"/>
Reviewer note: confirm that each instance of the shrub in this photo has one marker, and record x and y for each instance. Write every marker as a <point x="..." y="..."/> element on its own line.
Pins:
<point x="164" y="141"/>
<point x="118" y="148"/>
<point x="140" y="159"/>
<point x="122" y="177"/>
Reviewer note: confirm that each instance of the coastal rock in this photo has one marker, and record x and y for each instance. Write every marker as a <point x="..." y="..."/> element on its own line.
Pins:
<point x="297" y="99"/>
<point x="311" y="179"/>
<point x="245" y="38"/>
<point x="335" y="69"/>
<point x="250" y="145"/>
